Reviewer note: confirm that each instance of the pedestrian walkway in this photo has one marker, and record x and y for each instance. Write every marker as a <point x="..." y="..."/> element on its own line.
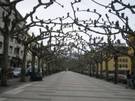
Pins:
<point x="13" y="83"/>
<point x="69" y="86"/>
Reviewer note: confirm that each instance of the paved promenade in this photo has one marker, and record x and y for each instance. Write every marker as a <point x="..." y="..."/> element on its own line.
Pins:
<point x="69" y="86"/>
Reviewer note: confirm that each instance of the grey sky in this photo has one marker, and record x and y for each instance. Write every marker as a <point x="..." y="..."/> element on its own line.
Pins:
<point x="56" y="10"/>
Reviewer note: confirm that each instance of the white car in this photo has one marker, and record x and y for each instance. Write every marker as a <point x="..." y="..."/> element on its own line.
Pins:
<point x="16" y="72"/>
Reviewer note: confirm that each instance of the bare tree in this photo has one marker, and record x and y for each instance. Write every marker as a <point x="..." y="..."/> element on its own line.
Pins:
<point x="123" y="24"/>
<point x="13" y="25"/>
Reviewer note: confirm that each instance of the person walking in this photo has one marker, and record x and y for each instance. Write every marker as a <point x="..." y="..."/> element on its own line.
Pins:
<point x="129" y="80"/>
<point x="133" y="80"/>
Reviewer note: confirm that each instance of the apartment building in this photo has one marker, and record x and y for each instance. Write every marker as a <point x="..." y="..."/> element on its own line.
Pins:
<point x="16" y="48"/>
<point x="15" y="51"/>
<point x="124" y="62"/>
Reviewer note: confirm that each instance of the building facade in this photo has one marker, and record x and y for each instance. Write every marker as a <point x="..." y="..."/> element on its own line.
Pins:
<point x="16" y="47"/>
<point x="124" y="64"/>
<point x="15" y="52"/>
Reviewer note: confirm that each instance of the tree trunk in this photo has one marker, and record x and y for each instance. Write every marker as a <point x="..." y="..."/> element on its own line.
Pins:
<point x="33" y="63"/>
<point x="23" y="70"/>
<point x="42" y="66"/>
<point x="93" y="70"/>
<point x="97" y="70"/>
<point x="39" y="64"/>
<point x="48" y="68"/>
<point x="133" y="64"/>
<point x="106" y="69"/>
<point x="5" y="64"/>
<point x="101" y="69"/>
<point x="90" y="70"/>
<point x="116" y="69"/>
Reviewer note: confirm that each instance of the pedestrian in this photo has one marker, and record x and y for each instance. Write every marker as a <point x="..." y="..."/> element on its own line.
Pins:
<point x="133" y="79"/>
<point x="129" y="80"/>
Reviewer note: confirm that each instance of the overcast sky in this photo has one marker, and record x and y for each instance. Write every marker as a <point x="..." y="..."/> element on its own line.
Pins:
<point x="56" y="10"/>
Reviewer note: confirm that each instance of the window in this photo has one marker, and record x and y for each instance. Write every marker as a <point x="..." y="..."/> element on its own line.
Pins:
<point x="0" y="44"/>
<point x="16" y="51"/>
<point x="10" y="49"/>
<point x="119" y="65"/>
<point x="22" y="52"/>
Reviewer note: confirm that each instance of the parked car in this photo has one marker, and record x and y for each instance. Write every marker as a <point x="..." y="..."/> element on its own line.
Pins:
<point x="36" y="77"/>
<point x="16" y="72"/>
<point x="122" y="78"/>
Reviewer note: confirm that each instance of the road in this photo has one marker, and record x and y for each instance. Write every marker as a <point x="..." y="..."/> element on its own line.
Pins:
<point x="69" y="86"/>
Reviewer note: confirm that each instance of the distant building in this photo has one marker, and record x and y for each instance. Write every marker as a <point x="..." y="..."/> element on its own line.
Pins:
<point x="131" y="51"/>
<point x="124" y="62"/>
